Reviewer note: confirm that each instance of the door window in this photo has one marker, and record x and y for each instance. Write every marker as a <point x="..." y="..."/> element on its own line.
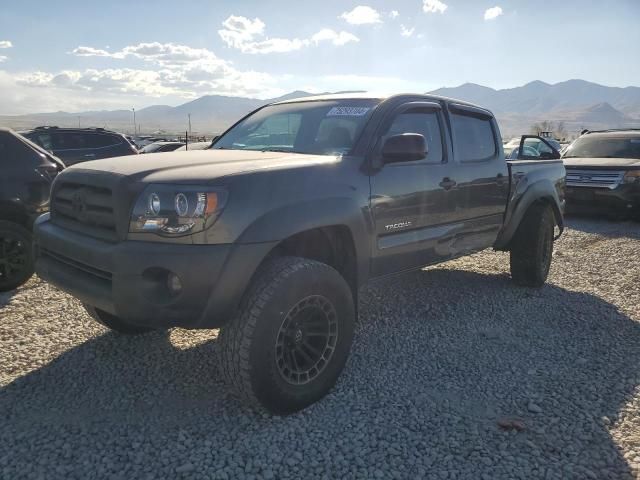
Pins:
<point x="68" y="141"/>
<point x="474" y="137"/>
<point x="42" y="139"/>
<point x="97" y="140"/>
<point x="4" y="151"/>
<point x="535" y="148"/>
<point x="423" y="123"/>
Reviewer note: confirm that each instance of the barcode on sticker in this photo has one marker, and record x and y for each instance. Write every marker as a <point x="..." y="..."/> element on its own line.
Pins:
<point x="348" y="111"/>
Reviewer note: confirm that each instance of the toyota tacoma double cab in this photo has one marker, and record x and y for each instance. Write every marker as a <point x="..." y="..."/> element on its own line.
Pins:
<point x="269" y="234"/>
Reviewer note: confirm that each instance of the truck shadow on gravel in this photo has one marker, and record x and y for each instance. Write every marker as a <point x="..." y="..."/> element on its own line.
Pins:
<point x="440" y="356"/>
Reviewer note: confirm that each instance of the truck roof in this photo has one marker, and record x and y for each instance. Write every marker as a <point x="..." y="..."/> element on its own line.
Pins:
<point x="381" y="97"/>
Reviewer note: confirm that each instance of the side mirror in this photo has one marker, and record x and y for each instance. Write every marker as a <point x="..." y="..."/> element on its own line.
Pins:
<point x="405" y="147"/>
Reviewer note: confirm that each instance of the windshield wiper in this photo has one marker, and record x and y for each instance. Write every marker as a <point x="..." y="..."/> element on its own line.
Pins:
<point x="283" y="150"/>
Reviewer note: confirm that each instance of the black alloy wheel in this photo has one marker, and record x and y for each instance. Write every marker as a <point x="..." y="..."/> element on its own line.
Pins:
<point x="306" y="340"/>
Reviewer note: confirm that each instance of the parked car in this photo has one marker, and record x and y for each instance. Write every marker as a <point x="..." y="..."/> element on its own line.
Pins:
<point x="194" y="146"/>
<point x="25" y="180"/>
<point x="603" y="172"/>
<point x="270" y="234"/>
<point x="159" y="147"/>
<point x="75" y="145"/>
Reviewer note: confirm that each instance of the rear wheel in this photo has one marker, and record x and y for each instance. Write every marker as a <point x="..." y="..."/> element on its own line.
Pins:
<point x="16" y="255"/>
<point x="288" y="345"/>
<point x="115" y="323"/>
<point x="532" y="247"/>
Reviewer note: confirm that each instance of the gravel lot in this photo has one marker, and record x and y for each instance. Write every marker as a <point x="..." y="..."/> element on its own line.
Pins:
<point x="455" y="373"/>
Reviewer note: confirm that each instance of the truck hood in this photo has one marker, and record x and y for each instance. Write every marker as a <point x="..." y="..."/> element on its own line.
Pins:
<point x="199" y="166"/>
<point x="601" y="162"/>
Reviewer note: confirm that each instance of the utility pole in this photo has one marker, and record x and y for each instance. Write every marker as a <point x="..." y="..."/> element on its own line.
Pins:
<point x="78" y="121"/>
<point x="134" y="122"/>
<point x="189" y="115"/>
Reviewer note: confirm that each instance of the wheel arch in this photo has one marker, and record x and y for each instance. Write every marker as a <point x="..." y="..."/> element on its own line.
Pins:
<point x="543" y="192"/>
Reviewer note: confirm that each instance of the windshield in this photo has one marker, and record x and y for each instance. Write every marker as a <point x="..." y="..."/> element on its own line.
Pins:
<point x="319" y="127"/>
<point x="604" y="147"/>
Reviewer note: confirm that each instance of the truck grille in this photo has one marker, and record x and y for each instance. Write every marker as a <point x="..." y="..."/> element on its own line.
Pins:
<point x="87" y="209"/>
<point x="594" y="178"/>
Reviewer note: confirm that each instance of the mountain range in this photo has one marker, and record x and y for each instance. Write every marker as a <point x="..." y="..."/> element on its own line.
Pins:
<point x="577" y="103"/>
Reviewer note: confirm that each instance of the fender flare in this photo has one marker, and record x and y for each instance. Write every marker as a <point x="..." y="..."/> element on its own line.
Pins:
<point x="291" y="219"/>
<point x="542" y="190"/>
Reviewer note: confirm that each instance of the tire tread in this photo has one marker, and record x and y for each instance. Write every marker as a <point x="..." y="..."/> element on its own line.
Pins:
<point x="237" y="336"/>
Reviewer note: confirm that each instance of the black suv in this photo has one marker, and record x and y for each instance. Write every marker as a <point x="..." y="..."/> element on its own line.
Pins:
<point x="603" y="172"/>
<point x="75" y="145"/>
<point x="25" y="183"/>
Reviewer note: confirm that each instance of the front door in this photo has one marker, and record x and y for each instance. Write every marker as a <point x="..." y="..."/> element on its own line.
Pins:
<point x="412" y="201"/>
<point x="533" y="147"/>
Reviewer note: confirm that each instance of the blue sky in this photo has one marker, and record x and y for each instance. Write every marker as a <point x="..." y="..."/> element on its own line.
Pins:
<point x="78" y="55"/>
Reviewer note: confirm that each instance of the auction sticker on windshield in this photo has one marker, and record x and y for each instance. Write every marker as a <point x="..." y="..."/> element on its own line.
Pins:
<point x="348" y="111"/>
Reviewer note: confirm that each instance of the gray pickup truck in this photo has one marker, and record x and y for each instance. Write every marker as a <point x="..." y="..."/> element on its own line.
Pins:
<point x="270" y="234"/>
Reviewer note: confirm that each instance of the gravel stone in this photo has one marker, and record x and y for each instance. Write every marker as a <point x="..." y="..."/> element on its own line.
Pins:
<point x="534" y="408"/>
<point x="446" y="365"/>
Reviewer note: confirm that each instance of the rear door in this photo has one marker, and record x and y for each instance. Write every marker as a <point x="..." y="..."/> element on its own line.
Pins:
<point x="71" y="147"/>
<point x="107" y="145"/>
<point x="411" y="201"/>
<point x="482" y="177"/>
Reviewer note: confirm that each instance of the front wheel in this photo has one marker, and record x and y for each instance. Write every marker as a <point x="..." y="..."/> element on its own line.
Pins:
<point x="290" y="342"/>
<point x="532" y="247"/>
<point x="16" y="255"/>
<point x="115" y="323"/>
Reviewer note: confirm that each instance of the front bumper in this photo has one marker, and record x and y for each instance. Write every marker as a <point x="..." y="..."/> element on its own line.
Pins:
<point x="129" y="279"/>
<point x="623" y="198"/>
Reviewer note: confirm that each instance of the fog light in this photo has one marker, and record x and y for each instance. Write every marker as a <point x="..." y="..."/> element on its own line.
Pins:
<point x="173" y="283"/>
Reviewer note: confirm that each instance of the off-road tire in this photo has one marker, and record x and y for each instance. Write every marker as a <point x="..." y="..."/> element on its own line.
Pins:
<point x="248" y="344"/>
<point x="532" y="247"/>
<point x="13" y="232"/>
<point x="115" y="323"/>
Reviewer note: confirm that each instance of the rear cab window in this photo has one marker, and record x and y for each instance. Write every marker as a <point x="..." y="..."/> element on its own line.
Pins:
<point x="474" y="136"/>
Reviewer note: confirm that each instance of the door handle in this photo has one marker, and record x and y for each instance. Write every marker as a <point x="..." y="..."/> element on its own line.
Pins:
<point x="90" y="155"/>
<point x="447" y="183"/>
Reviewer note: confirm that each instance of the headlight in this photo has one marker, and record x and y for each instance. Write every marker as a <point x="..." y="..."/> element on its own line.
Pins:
<point x="176" y="210"/>
<point x="631" y="176"/>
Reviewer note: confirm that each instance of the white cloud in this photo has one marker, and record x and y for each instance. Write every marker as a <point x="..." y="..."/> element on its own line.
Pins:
<point x="406" y="32"/>
<point x="492" y="13"/>
<point x="361" y="15"/>
<point x="336" y="38"/>
<point x="5" y="44"/>
<point x="90" y="52"/>
<point x="433" y="6"/>
<point x="247" y="35"/>
<point x="189" y="83"/>
<point x="179" y="71"/>
<point x="165" y="54"/>
<point x="394" y="13"/>
<point x="3" y="58"/>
